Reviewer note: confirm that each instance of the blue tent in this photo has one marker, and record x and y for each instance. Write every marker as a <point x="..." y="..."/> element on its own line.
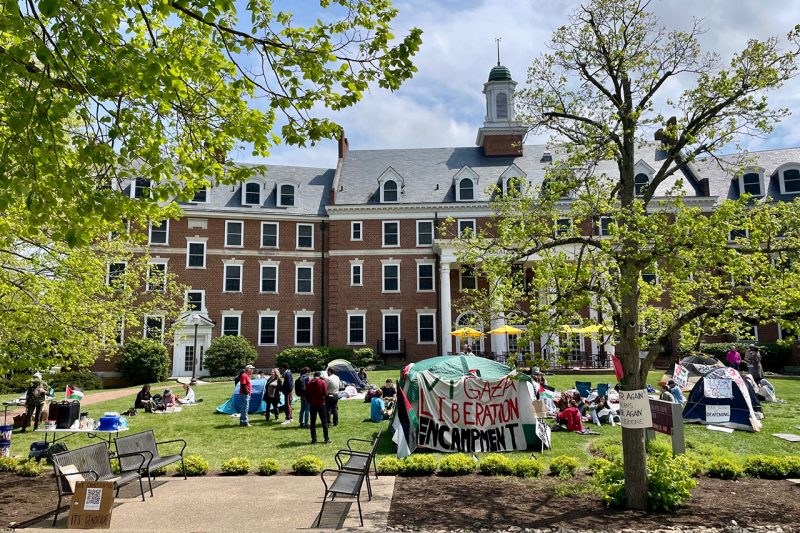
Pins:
<point x="726" y="400"/>
<point x="257" y="403"/>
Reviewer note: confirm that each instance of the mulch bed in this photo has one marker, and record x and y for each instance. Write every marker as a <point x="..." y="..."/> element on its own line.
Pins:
<point x="25" y="498"/>
<point x="474" y="502"/>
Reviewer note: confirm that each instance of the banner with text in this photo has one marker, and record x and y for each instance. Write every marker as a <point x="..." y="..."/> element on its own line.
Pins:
<point x="474" y="415"/>
<point x="634" y="409"/>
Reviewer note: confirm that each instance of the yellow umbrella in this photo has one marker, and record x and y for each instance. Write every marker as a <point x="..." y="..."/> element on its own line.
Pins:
<point x="467" y="332"/>
<point x="596" y="328"/>
<point x="506" y="330"/>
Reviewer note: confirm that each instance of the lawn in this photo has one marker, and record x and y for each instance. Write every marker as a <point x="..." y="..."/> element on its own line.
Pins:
<point x="218" y="437"/>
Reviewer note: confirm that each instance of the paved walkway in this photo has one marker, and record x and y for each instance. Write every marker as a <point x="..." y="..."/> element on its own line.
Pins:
<point x="244" y="504"/>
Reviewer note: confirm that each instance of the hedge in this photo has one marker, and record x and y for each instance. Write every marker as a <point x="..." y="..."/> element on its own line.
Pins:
<point x="318" y="358"/>
<point x="774" y="355"/>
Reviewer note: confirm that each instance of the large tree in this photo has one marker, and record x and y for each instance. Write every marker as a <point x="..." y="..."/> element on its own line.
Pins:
<point x="595" y="92"/>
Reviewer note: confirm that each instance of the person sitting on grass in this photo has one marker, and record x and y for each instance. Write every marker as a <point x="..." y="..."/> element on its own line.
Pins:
<point x="377" y="408"/>
<point x="676" y="391"/>
<point x="167" y="399"/>
<point x="362" y="375"/>
<point x="580" y="403"/>
<point x="666" y="395"/>
<point x="601" y="412"/>
<point x="570" y="417"/>
<point x="144" y="400"/>
<point x="388" y="390"/>
<point x="188" y="395"/>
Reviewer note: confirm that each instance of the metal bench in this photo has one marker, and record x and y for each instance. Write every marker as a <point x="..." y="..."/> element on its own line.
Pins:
<point x="145" y="443"/>
<point x="357" y="460"/>
<point x="93" y="463"/>
<point x="347" y="483"/>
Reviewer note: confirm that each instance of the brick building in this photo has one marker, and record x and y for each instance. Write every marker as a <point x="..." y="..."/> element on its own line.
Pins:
<point x="351" y="256"/>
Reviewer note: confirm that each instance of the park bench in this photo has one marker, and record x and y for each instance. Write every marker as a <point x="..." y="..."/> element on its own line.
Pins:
<point x="347" y="483"/>
<point x="356" y="460"/>
<point x="93" y="463"/>
<point x="145" y="443"/>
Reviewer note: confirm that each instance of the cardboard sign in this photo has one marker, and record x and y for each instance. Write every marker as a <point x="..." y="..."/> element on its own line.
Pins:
<point x="634" y="409"/>
<point x="717" y="388"/>
<point x="681" y="376"/>
<point x="718" y="413"/>
<point x="91" y="505"/>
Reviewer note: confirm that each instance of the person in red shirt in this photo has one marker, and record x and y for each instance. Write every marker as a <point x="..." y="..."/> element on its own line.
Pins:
<point x="571" y="416"/>
<point x="316" y="393"/>
<point x="245" y="389"/>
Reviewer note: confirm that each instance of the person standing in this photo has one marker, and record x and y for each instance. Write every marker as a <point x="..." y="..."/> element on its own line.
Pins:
<point x="733" y="358"/>
<point x="316" y="395"/>
<point x="287" y="389"/>
<point x="332" y="401"/>
<point x="755" y="361"/>
<point x="272" y="394"/>
<point x="300" y="390"/>
<point x="35" y="397"/>
<point x="245" y="390"/>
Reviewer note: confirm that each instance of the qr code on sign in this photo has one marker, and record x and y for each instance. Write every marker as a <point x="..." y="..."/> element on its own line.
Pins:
<point x="93" y="497"/>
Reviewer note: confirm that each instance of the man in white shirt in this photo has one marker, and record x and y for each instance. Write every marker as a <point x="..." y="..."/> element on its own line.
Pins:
<point x="333" y="383"/>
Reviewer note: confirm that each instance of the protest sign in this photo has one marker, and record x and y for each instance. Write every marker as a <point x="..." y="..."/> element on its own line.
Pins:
<point x="681" y="376"/>
<point x="634" y="409"/>
<point x="718" y="413"/>
<point x="91" y="505"/>
<point x="717" y="388"/>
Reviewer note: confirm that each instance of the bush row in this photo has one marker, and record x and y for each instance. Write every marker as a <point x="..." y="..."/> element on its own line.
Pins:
<point x="459" y="464"/>
<point x="82" y="379"/>
<point x="317" y="358"/>
<point x="23" y="467"/>
<point x="774" y="355"/>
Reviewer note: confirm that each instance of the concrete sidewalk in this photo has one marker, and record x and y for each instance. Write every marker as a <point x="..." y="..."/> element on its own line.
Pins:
<point x="244" y="504"/>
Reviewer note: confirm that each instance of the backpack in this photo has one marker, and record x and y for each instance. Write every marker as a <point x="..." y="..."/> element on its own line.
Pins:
<point x="300" y="387"/>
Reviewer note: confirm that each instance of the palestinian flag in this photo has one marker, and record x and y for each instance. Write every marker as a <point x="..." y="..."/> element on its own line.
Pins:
<point x="405" y="426"/>
<point x="73" y="393"/>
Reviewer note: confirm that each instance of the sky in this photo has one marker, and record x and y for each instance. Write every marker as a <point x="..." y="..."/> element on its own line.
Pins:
<point x="442" y="105"/>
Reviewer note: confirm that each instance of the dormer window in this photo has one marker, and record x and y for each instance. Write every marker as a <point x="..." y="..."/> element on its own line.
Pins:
<point x="201" y="196"/>
<point x="286" y="195"/>
<point x="466" y="190"/>
<point x="501" y="106"/>
<point x="251" y="193"/>
<point x="751" y="183"/>
<point x="790" y="180"/>
<point x="140" y="188"/>
<point x="640" y="181"/>
<point x="513" y="184"/>
<point x="389" y="192"/>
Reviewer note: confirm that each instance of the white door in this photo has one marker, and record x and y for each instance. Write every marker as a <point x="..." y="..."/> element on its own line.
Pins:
<point x="183" y="356"/>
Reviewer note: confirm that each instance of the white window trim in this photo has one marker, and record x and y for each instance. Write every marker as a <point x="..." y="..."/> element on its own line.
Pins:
<point x="383" y="234"/>
<point x="600" y="226"/>
<point x="133" y="188"/>
<point x="260" y="192"/>
<point x="421" y="312"/>
<point x="108" y="272"/>
<point x="297" y="267"/>
<point x="150" y="235"/>
<point x="433" y="232"/>
<point x="238" y="316"/>
<point x="278" y="186"/>
<point x="392" y="312"/>
<point x="229" y="263"/>
<point x="360" y="265"/>
<point x="384" y="264"/>
<point x="421" y="262"/>
<point x="557" y="228"/>
<point x="753" y="170"/>
<point x="360" y="232"/>
<point x="261" y="266"/>
<point x="466" y="220"/>
<point x="227" y="245"/>
<point x="654" y="273"/>
<point x="363" y="314"/>
<point x="163" y="325"/>
<point x="157" y="261"/>
<point x="474" y="189"/>
<point x="266" y="313"/>
<point x="197" y="240"/>
<point x="780" y="171"/>
<point x="202" y="298"/>
<point x="297" y="237"/>
<point x="461" y="279"/>
<point x="277" y="235"/>
<point x="390" y="174"/>
<point x="310" y="315"/>
<point x="746" y="234"/>
<point x="383" y="185"/>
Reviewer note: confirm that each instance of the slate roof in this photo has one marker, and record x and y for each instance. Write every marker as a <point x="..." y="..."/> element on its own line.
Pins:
<point x="722" y="178"/>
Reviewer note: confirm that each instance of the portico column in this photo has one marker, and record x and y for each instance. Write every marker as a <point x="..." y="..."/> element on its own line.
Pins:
<point x="498" y="341"/>
<point x="444" y="304"/>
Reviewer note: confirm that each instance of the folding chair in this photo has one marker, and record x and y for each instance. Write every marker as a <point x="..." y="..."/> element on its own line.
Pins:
<point x="584" y="388"/>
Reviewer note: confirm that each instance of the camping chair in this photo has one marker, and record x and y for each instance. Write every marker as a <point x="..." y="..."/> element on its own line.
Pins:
<point x="584" y="388"/>
<point x="602" y="389"/>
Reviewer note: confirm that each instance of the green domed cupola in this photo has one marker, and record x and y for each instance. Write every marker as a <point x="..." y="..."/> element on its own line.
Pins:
<point x="499" y="73"/>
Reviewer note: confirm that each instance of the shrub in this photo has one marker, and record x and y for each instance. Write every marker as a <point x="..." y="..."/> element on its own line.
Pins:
<point x="419" y="464"/>
<point x="597" y="464"/>
<point x="329" y="353"/>
<point x="301" y="357"/>
<point x="656" y="446"/>
<point x="228" y="354"/>
<point x="765" y="466"/>
<point x="308" y="465"/>
<point x="196" y="465"/>
<point x="774" y="355"/>
<point x="496" y="464"/>
<point x="82" y="379"/>
<point x="115" y="468"/>
<point x="30" y="468"/>
<point x="792" y="465"/>
<point x="8" y="464"/>
<point x="159" y="472"/>
<point x="365" y="357"/>
<point x="564" y="466"/>
<point x="390" y="466"/>
<point x="269" y="467"/>
<point x="607" y="448"/>
<point x="144" y="361"/>
<point x="528" y="468"/>
<point x="15" y="383"/>
<point x="669" y="484"/>
<point x="691" y="465"/>
<point x="236" y="466"/>
<point x="723" y="468"/>
<point x="457" y="464"/>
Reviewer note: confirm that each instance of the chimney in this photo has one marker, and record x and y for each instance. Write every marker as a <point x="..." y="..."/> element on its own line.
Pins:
<point x="344" y="146"/>
<point x="547" y="157"/>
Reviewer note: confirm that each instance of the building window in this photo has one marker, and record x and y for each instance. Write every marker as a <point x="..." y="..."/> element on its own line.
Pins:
<point x="466" y="227"/>
<point x="391" y="333"/>
<point x="286" y="195"/>
<point x="188" y="358"/>
<point x="468" y="280"/>
<point x="305" y="236"/>
<point x="426" y="328"/>
<point x="156" y="277"/>
<point x="391" y="277"/>
<point x="269" y="279"/>
<point x="389" y="192"/>
<point x="501" y="106"/>
<point x="233" y="277"/>
<point x="141" y="188"/>
<point x="466" y="190"/>
<point x="737" y="234"/>
<point x="650" y="277"/>
<point x="116" y="275"/>
<point x="790" y="181"/>
<point x="750" y="183"/>
<point x="391" y="234"/>
<point x="741" y="280"/>
<point x="269" y="234"/>
<point x="513" y="183"/>
<point x="234" y="233"/>
<point x="356" y="271"/>
<point x="563" y="226"/>
<point x="268" y="330"/>
<point x="640" y="181"/>
<point x="425" y="277"/>
<point x="154" y="327"/>
<point x="424" y="232"/>
<point x="231" y="325"/>
<point x="355" y="230"/>
<point x="159" y="233"/>
<point x="305" y="280"/>
<point x="602" y="226"/>
<point x="195" y="254"/>
<point x="201" y="196"/>
<point x="356" y="324"/>
<point x="252" y="193"/>
<point x="195" y="300"/>
<point x="302" y="330"/>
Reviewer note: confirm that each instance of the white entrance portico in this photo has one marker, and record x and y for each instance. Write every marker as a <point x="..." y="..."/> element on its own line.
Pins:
<point x="193" y="332"/>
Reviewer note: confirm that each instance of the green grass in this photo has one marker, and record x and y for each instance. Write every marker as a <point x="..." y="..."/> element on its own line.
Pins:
<point x="218" y="437"/>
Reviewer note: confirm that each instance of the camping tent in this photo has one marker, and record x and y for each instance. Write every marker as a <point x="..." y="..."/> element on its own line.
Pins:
<point x="723" y="398"/>
<point x="347" y="374"/>
<point x="470" y="404"/>
<point x="257" y="403"/>
<point x="697" y="366"/>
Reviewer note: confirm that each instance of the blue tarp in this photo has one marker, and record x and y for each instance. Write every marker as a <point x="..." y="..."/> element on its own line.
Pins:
<point x="257" y="403"/>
